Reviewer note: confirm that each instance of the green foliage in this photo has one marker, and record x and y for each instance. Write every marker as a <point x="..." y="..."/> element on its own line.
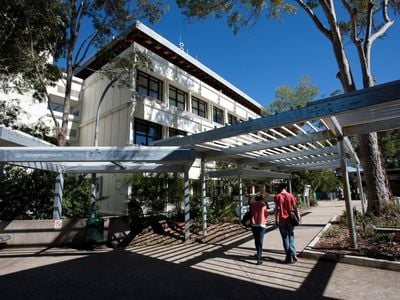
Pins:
<point x="76" y="196"/>
<point x="288" y="99"/>
<point x="332" y="232"/>
<point x="153" y="192"/>
<point x="9" y="113"/>
<point x="238" y="13"/>
<point x="320" y="180"/>
<point x="31" y="31"/>
<point x="26" y="194"/>
<point x="389" y="141"/>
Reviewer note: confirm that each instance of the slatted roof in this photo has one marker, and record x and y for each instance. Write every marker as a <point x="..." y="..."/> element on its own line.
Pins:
<point x="273" y="146"/>
<point x="305" y="138"/>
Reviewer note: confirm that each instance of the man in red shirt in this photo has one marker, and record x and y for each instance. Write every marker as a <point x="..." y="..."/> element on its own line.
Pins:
<point x="259" y="214"/>
<point x="285" y="202"/>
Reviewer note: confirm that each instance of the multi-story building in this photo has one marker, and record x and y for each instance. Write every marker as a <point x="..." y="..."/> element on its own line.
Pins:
<point x="176" y="96"/>
<point x="34" y="111"/>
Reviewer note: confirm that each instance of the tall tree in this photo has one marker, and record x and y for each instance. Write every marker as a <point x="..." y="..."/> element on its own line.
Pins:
<point x="104" y="19"/>
<point x="364" y="21"/>
<point x="287" y="98"/>
<point x="31" y="33"/>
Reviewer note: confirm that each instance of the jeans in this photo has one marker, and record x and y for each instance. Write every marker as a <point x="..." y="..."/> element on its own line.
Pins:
<point x="258" y="234"/>
<point x="287" y="234"/>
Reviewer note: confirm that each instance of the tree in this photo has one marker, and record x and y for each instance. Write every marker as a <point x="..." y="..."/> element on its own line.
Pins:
<point x="70" y="43"/>
<point x="366" y="22"/>
<point x="288" y="99"/>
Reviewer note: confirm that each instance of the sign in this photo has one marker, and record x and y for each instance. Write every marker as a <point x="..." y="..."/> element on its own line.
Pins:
<point x="57" y="224"/>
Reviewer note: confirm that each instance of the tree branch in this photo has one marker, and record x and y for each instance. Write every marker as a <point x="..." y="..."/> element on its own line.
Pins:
<point x="39" y="74"/>
<point x="386" y="25"/>
<point x="315" y="19"/>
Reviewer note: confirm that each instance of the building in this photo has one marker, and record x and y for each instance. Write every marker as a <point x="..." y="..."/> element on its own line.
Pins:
<point x="177" y="96"/>
<point x="34" y="111"/>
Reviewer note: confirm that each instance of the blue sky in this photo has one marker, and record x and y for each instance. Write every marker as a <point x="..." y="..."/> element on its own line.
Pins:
<point x="273" y="53"/>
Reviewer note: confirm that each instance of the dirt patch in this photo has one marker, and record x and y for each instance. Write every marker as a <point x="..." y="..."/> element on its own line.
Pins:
<point x="380" y="245"/>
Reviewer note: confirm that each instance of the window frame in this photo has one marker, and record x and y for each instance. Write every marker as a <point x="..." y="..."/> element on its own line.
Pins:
<point x="216" y="110"/>
<point x="147" y="136"/>
<point x="176" y="101"/>
<point x="149" y="91"/>
<point x="198" y="111"/>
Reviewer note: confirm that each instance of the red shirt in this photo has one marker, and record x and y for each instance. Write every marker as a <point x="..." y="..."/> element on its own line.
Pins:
<point x="259" y="213"/>
<point x="284" y="207"/>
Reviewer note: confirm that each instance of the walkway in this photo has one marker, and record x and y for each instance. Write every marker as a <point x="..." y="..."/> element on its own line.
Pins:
<point x="193" y="271"/>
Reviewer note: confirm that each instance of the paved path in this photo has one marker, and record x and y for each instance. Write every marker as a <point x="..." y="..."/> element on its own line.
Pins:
<point x="193" y="271"/>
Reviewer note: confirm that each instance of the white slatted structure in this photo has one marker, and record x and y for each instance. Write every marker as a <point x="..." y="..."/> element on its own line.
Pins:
<point x="305" y="138"/>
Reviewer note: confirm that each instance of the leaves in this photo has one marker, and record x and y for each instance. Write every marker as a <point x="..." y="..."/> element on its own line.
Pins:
<point x="288" y="99"/>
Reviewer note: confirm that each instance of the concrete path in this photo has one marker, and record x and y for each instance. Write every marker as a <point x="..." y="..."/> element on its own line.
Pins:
<point x="193" y="271"/>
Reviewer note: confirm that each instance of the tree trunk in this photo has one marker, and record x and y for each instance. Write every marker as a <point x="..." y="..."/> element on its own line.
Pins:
<point x="377" y="184"/>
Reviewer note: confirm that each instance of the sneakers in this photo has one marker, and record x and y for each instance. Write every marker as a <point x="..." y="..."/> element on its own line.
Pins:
<point x="290" y="259"/>
<point x="259" y="262"/>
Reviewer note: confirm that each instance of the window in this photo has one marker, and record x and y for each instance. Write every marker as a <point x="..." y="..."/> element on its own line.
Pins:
<point x="218" y="115"/>
<point x="146" y="132"/>
<point x="175" y="132"/>
<point x="177" y="98"/>
<point x="55" y="107"/>
<point x="148" y="85"/>
<point x="232" y="119"/>
<point x="199" y="107"/>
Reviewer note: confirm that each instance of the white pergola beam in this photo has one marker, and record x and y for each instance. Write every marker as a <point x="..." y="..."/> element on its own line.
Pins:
<point x="89" y="154"/>
<point x="380" y="94"/>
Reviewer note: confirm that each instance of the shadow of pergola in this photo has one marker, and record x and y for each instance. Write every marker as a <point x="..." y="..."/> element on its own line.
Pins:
<point x="223" y="270"/>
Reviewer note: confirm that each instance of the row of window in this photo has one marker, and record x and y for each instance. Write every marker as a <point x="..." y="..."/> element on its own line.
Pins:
<point x="146" y="132"/>
<point x="150" y="86"/>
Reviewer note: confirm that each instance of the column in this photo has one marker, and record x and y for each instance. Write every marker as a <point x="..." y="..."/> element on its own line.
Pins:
<point x="347" y="193"/>
<point x="203" y="196"/>
<point x="362" y="195"/>
<point x="186" y="201"/>
<point x="58" y="196"/>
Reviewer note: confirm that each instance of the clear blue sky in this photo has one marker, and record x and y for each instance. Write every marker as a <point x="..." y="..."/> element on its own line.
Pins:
<point x="272" y="53"/>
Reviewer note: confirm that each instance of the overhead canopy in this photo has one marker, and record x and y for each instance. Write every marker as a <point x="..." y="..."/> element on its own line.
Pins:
<point x="295" y="140"/>
<point x="90" y="159"/>
<point x="300" y="139"/>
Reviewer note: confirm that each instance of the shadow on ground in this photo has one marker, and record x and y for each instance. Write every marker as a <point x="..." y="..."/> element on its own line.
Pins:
<point x="185" y="271"/>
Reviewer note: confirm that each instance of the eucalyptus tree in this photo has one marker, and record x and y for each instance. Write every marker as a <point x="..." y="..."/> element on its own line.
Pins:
<point x="363" y="21"/>
<point x="31" y="33"/>
<point x="71" y="31"/>
<point x="287" y="98"/>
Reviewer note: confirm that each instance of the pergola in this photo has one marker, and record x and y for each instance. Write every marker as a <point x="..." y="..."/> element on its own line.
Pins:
<point x="313" y="137"/>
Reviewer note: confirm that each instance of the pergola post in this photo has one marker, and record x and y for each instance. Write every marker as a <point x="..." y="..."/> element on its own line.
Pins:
<point x="362" y="195"/>
<point x="290" y="185"/>
<point x="240" y="197"/>
<point x="58" y="197"/>
<point x="347" y="194"/>
<point x="203" y="196"/>
<point x="186" y="201"/>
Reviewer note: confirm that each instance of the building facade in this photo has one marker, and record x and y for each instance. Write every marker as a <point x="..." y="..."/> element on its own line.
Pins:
<point x="177" y="95"/>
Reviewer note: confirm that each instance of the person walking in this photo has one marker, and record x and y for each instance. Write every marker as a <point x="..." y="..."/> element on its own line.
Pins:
<point x="259" y="214"/>
<point x="285" y="202"/>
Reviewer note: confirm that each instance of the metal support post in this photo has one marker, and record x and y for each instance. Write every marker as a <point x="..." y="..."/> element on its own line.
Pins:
<point x="347" y="194"/>
<point x="203" y="196"/>
<point x="362" y="195"/>
<point x="186" y="201"/>
<point x="240" y="197"/>
<point x="290" y="185"/>
<point x="58" y="197"/>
